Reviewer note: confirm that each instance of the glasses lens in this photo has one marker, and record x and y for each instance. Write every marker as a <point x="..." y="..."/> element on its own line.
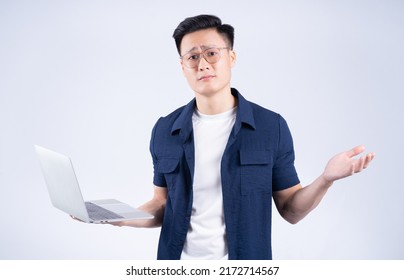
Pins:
<point x="192" y="59"/>
<point x="212" y="55"/>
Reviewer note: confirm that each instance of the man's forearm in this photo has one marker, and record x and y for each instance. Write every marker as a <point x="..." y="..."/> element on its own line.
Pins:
<point x="303" y="201"/>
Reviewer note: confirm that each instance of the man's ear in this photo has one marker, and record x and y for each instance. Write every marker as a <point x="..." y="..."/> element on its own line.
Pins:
<point x="182" y="67"/>
<point x="233" y="58"/>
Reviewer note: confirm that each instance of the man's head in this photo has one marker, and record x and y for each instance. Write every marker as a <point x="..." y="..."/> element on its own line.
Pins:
<point x="201" y="22"/>
<point x="205" y="46"/>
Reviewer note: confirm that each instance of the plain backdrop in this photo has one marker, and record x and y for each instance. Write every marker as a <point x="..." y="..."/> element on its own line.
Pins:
<point x="90" y="79"/>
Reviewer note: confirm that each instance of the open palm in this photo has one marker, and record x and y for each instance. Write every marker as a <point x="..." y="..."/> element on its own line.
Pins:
<point x="345" y="164"/>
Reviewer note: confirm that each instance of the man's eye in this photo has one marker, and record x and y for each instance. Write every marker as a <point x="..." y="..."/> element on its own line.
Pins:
<point x="212" y="53"/>
<point x="193" y="57"/>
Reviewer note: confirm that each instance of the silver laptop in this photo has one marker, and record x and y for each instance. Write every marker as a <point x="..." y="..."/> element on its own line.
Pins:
<point x="65" y="193"/>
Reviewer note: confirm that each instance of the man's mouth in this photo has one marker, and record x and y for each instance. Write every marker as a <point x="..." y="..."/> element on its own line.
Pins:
<point x="206" y="77"/>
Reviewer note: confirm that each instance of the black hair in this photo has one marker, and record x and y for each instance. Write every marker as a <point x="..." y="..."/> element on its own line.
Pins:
<point x="200" y="22"/>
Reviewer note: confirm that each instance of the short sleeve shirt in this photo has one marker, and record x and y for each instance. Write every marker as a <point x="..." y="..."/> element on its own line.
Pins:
<point x="257" y="161"/>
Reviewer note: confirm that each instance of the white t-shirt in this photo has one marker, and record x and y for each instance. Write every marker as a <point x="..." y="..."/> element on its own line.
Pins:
<point x="206" y="238"/>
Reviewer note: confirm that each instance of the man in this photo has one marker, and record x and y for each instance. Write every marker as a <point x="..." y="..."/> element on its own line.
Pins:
<point x="220" y="160"/>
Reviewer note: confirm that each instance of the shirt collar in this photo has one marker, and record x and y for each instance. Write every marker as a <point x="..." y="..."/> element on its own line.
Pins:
<point x="244" y="111"/>
<point x="245" y="115"/>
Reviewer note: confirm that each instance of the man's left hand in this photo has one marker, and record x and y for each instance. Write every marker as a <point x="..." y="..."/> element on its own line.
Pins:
<point x="344" y="164"/>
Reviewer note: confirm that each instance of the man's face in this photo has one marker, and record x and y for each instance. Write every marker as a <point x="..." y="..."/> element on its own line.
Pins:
<point x="207" y="78"/>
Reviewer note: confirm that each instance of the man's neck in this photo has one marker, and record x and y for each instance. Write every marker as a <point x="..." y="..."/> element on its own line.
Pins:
<point x="216" y="103"/>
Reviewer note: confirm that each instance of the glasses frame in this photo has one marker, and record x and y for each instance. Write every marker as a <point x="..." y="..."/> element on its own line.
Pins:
<point x="202" y="54"/>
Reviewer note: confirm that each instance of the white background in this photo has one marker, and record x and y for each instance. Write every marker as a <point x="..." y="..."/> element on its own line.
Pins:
<point x="90" y="78"/>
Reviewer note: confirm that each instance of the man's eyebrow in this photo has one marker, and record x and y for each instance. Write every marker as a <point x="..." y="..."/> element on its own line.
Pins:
<point x="203" y="47"/>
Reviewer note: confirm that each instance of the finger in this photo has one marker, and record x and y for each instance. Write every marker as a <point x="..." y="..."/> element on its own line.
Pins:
<point x="359" y="164"/>
<point x="117" y="224"/>
<point x="369" y="158"/>
<point x="75" y="218"/>
<point x="355" y="151"/>
<point x="353" y="167"/>
<point x="363" y="162"/>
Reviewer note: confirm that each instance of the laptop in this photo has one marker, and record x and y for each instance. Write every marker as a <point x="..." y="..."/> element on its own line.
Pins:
<point x="65" y="193"/>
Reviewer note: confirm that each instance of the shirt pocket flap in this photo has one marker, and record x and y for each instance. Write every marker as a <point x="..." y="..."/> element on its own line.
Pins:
<point x="248" y="157"/>
<point x="167" y="165"/>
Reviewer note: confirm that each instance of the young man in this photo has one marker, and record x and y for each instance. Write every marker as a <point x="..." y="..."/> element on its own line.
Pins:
<point x="220" y="160"/>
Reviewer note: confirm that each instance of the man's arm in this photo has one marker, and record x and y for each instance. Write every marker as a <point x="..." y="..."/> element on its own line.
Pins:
<point x="155" y="207"/>
<point x="296" y="202"/>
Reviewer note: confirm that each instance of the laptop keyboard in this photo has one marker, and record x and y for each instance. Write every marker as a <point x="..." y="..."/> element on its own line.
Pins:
<point x="97" y="213"/>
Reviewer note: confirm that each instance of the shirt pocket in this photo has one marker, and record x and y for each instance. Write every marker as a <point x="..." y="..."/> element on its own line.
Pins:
<point x="256" y="171"/>
<point x="169" y="168"/>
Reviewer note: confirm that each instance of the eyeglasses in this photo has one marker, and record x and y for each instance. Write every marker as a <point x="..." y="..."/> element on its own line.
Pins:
<point x="211" y="55"/>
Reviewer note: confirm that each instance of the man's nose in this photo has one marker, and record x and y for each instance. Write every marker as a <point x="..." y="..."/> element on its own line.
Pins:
<point x="203" y="63"/>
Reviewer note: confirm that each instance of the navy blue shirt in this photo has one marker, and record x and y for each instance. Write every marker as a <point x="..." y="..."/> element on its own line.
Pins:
<point x="258" y="160"/>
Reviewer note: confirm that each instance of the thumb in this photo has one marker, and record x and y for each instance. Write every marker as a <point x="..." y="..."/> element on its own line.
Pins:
<point x="355" y="151"/>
